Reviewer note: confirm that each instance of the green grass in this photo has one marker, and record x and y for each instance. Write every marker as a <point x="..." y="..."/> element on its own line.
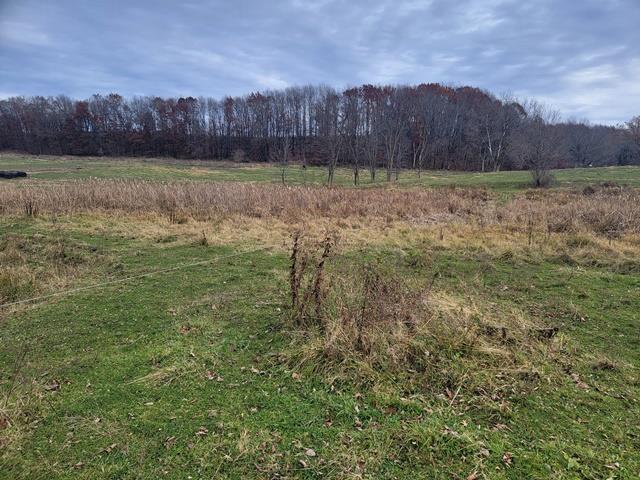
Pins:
<point x="180" y="376"/>
<point x="64" y="168"/>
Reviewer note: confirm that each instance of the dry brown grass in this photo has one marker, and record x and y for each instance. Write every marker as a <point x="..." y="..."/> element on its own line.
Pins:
<point x="210" y="200"/>
<point x="34" y="264"/>
<point x="493" y="241"/>
<point x="578" y="227"/>
<point x="607" y="212"/>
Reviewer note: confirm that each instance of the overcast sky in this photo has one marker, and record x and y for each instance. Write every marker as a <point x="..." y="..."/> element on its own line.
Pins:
<point x="582" y="56"/>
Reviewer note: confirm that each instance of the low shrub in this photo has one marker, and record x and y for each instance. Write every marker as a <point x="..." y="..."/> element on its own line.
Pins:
<point x="365" y="322"/>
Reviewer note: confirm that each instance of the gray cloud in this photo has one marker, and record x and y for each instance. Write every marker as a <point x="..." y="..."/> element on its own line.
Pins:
<point x="581" y="57"/>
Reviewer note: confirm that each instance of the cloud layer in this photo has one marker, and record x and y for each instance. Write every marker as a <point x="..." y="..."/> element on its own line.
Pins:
<point x="582" y="57"/>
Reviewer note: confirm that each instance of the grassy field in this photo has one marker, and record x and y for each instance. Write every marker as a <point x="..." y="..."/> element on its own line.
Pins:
<point x="199" y="370"/>
<point x="64" y="168"/>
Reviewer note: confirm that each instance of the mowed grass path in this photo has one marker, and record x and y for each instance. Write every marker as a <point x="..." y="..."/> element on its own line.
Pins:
<point x="180" y="376"/>
<point x="64" y="168"/>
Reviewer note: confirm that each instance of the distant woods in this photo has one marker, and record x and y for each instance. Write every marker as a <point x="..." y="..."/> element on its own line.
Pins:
<point x="369" y="128"/>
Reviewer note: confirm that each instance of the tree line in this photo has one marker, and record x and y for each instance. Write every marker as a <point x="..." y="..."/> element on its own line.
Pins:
<point x="371" y="128"/>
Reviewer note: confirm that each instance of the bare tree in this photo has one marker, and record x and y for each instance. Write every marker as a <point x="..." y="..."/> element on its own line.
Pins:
<point x="499" y="121"/>
<point x="586" y="145"/>
<point x="392" y="130"/>
<point x="330" y="124"/>
<point x="372" y="100"/>
<point x="350" y="129"/>
<point x="633" y="131"/>
<point x="280" y="153"/>
<point x="420" y="128"/>
<point x="537" y="144"/>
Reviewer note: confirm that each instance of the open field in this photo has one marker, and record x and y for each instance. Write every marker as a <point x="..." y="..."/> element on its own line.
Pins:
<point x="449" y="333"/>
<point x="66" y="168"/>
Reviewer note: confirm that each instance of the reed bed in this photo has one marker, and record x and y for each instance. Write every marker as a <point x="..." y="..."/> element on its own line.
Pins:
<point x="606" y="211"/>
<point x="202" y="200"/>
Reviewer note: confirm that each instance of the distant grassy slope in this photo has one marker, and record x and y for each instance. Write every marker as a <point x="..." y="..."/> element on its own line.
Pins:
<point x="63" y="168"/>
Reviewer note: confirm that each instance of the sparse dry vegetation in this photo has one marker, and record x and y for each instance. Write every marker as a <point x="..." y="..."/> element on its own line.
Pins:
<point x="611" y="212"/>
<point x="358" y="321"/>
<point x="34" y="264"/>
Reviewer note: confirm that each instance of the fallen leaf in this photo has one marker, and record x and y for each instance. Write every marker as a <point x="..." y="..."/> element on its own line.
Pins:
<point x="328" y="422"/>
<point x="449" y="431"/>
<point x="310" y="452"/>
<point x="295" y="376"/>
<point x="507" y="458"/>
<point x="110" y="448"/>
<point x="473" y="476"/>
<point x="579" y="383"/>
<point x="202" y="431"/>
<point x="52" y="387"/>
